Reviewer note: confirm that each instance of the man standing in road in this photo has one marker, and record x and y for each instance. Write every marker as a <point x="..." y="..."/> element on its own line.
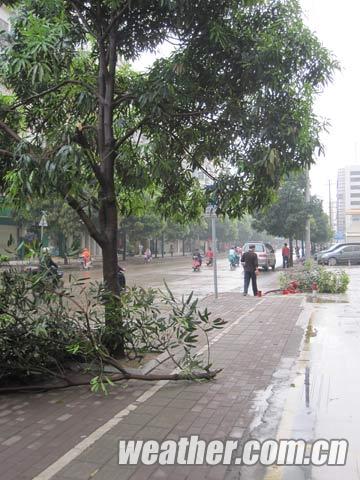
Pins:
<point x="285" y="254"/>
<point x="249" y="261"/>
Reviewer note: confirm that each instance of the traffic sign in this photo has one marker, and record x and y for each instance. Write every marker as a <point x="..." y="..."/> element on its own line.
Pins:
<point x="43" y="222"/>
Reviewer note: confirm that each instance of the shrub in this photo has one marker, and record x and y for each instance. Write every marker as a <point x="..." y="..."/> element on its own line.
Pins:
<point x="328" y="281"/>
<point x="35" y="327"/>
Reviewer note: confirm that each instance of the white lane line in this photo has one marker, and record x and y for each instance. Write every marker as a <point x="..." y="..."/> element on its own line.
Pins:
<point x="76" y="451"/>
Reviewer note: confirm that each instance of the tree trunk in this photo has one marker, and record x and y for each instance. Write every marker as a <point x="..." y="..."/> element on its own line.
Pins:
<point x="291" y="259"/>
<point x="124" y="247"/>
<point x="114" y="340"/>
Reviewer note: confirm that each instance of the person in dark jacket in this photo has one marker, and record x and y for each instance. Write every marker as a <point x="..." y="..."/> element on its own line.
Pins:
<point x="249" y="260"/>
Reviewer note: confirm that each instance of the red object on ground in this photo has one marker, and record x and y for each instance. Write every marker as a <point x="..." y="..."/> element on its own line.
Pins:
<point x="259" y="293"/>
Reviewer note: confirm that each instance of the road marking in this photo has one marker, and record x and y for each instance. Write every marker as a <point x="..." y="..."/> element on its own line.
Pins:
<point x="78" y="449"/>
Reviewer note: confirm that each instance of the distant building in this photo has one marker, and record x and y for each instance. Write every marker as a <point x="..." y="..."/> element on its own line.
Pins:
<point x="348" y="204"/>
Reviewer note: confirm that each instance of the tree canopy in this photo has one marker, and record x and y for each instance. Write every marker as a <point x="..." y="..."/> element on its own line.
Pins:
<point x="237" y="91"/>
<point x="287" y="215"/>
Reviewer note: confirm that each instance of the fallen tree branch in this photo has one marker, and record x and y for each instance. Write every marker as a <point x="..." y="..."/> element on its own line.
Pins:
<point x="114" y="378"/>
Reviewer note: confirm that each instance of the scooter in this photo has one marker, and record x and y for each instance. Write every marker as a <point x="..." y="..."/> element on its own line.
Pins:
<point x="196" y="264"/>
<point x="84" y="265"/>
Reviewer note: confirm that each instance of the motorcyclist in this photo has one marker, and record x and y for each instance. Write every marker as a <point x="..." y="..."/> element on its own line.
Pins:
<point x="238" y="253"/>
<point x="50" y="268"/>
<point x="121" y="277"/>
<point x="209" y="257"/>
<point x="197" y="260"/>
<point x="86" y="258"/>
<point x="147" y="255"/>
<point x="198" y="255"/>
<point x="232" y="257"/>
<point x="47" y="263"/>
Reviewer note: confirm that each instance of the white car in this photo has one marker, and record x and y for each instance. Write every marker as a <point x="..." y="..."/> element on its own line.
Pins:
<point x="265" y="254"/>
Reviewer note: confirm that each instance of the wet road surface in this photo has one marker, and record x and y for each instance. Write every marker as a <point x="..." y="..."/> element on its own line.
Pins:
<point x="182" y="280"/>
<point x="321" y="398"/>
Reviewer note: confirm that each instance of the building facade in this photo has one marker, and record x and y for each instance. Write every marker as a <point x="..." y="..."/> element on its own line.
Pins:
<point x="348" y="204"/>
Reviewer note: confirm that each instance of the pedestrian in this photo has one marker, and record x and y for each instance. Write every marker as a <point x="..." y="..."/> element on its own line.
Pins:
<point x="249" y="261"/>
<point x="171" y="249"/>
<point x="285" y="255"/>
<point x="297" y="252"/>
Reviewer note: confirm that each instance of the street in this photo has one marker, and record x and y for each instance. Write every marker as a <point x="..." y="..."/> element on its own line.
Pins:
<point x="181" y="279"/>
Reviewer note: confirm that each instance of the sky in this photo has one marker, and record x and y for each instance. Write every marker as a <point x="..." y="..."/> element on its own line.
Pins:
<point x="336" y="24"/>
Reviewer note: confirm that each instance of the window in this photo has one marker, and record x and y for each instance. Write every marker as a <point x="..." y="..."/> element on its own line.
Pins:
<point x="355" y="195"/>
<point x="354" y="172"/>
<point x="347" y="249"/>
<point x="355" y="179"/>
<point x="259" y="247"/>
<point x="355" y="187"/>
<point x="355" y="218"/>
<point x="354" y="203"/>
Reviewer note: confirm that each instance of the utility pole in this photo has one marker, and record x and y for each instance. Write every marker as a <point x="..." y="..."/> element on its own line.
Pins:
<point x="307" y="228"/>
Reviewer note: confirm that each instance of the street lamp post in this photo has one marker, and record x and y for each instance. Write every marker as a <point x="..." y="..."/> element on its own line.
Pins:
<point x="214" y="243"/>
<point x="211" y="212"/>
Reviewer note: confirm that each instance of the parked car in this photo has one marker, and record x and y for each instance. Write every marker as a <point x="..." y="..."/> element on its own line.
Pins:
<point x="265" y="253"/>
<point x="342" y="255"/>
<point x="318" y="256"/>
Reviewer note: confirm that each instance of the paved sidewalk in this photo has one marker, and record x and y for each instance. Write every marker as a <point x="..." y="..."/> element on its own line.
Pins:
<point x="37" y="430"/>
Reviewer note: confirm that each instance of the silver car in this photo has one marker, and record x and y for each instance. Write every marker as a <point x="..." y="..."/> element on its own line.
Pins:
<point x="335" y="246"/>
<point x="265" y="254"/>
<point x="346" y="254"/>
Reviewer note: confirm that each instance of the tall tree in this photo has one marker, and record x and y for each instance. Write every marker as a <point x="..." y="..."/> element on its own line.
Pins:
<point x="320" y="230"/>
<point x="237" y="91"/>
<point x="286" y="216"/>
